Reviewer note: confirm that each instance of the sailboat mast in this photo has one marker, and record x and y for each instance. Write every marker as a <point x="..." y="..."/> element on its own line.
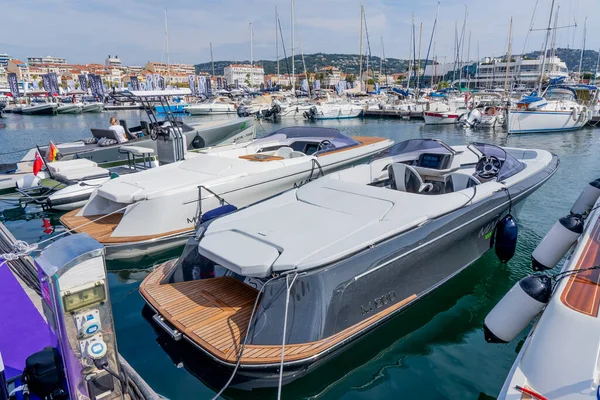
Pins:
<point x="251" y="60"/>
<point x="596" y="71"/>
<point x="293" y="64"/>
<point x="462" y="49"/>
<point x="468" y="61"/>
<point x="508" y="57"/>
<point x="545" y="49"/>
<point x="212" y="60"/>
<point x="410" y="61"/>
<point x="582" y="47"/>
<point x="167" y="46"/>
<point x="277" y="43"/>
<point x="360" y="73"/>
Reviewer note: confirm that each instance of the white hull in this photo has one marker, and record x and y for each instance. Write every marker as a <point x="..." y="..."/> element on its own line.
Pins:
<point x="338" y="113"/>
<point x="40" y="109"/>
<point x="522" y="121"/>
<point x="69" y="109"/>
<point x="93" y="108"/>
<point x="559" y="359"/>
<point x="173" y="194"/>
<point x="440" y="118"/>
<point x="210" y="109"/>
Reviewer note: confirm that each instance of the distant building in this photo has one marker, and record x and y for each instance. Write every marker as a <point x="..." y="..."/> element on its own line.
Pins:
<point x="46" y="60"/>
<point x="112" y="61"/>
<point x="166" y="69"/>
<point x="4" y="58"/>
<point x="242" y="72"/>
<point x="332" y="76"/>
<point x="133" y="70"/>
<point x="3" y="78"/>
<point x="491" y="72"/>
<point x="19" y="68"/>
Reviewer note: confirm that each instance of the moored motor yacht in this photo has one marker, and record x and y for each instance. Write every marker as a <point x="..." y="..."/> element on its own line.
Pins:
<point x="41" y="108"/>
<point x="218" y="105"/>
<point x="283" y="285"/>
<point x="178" y="195"/>
<point x="93" y="107"/>
<point x="69" y="108"/>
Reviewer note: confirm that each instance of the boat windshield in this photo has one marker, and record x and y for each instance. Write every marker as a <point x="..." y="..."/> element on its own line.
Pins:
<point x="510" y="165"/>
<point x="335" y="138"/>
<point x="560" y="94"/>
<point x="416" y="146"/>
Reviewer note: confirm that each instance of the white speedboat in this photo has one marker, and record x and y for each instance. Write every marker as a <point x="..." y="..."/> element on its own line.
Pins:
<point x="157" y="209"/>
<point x="95" y="107"/>
<point x="40" y="109"/>
<point x="309" y="272"/>
<point x="294" y="110"/>
<point x="560" y="355"/>
<point x="218" y="105"/>
<point x="69" y="108"/>
<point x="443" y="113"/>
<point x="557" y="110"/>
<point x="334" y="111"/>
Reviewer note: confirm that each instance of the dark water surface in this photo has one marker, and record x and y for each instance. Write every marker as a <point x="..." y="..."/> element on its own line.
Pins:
<point x="435" y="350"/>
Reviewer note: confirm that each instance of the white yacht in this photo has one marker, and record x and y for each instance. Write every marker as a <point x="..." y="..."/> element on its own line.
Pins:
<point x="218" y="105"/>
<point x="157" y="209"/>
<point x="334" y="111"/>
<point x="558" y="109"/>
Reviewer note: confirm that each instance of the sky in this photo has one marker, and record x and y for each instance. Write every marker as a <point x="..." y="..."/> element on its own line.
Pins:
<point x="88" y="31"/>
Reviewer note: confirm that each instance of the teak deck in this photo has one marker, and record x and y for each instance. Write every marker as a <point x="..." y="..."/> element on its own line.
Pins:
<point x="215" y="313"/>
<point x="582" y="292"/>
<point x="103" y="228"/>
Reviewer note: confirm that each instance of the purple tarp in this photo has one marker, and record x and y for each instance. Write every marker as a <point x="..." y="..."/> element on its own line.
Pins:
<point x="23" y="331"/>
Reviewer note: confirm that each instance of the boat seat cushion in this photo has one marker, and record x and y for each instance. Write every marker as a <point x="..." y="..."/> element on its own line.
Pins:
<point x="284" y="152"/>
<point x="252" y="257"/>
<point x="460" y="181"/>
<point x="82" y="174"/>
<point x="61" y="166"/>
<point x="137" y="150"/>
<point x="295" y="154"/>
<point x="405" y="178"/>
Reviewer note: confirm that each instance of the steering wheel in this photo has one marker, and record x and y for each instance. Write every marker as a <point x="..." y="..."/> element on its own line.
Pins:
<point x="323" y="145"/>
<point x="487" y="167"/>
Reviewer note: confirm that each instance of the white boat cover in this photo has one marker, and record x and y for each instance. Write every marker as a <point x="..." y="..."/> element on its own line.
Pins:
<point x="61" y="166"/>
<point x="319" y="223"/>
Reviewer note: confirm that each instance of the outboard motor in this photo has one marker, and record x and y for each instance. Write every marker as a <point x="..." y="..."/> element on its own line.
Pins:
<point x="587" y="198"/>
<point x="272" y="113"/>
<point x="557" y="242"/>
<point x="473" y="118"/>
<point x="242" y="111"/>
<point x="506" y="238"/>
<point x="517" y="308"/>
<point x="311" y="113"/>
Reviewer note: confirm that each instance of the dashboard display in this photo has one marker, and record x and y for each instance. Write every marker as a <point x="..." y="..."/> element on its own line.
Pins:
<point x="432" y="161"/>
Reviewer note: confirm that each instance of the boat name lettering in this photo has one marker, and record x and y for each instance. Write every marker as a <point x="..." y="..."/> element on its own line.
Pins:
<point x="487" y="230"/>
<point x="378" y="302"/>
<point x="193" y="220"/>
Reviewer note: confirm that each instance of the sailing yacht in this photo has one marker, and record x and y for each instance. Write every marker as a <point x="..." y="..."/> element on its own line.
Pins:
<point x="560" y="108"/>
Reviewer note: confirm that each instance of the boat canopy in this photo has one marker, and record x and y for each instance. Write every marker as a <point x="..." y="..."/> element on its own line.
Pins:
<point x="510" y="165"/>
<point x="333" y="136"/>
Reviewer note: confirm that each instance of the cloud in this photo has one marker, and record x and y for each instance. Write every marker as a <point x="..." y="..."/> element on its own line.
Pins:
<point x="87" y="31"/>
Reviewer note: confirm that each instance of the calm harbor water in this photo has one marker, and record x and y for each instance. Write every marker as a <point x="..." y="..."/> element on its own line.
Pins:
<point x="435" y="350"/>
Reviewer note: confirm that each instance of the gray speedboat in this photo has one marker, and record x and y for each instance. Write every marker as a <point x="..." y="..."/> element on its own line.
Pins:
<point x="284" y="284"/>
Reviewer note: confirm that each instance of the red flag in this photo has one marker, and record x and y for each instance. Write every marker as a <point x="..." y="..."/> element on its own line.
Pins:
<point x="37" y="163"/>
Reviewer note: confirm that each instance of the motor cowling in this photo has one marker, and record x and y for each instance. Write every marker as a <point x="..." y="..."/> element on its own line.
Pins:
<point x="587" y="198"/>
<point x="557" y="242"/>
<point x="517" y="308"/>
<point x="473" y="117"/>
<point x="241" y="111"/>
<point x="505" y="238"/>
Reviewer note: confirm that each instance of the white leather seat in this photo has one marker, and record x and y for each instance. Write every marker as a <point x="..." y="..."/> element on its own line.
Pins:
<point x="284" y="152"/>
<point x="295" y="154"/>
<point x="462" y="181"/>
<point x="406" y="179"/>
